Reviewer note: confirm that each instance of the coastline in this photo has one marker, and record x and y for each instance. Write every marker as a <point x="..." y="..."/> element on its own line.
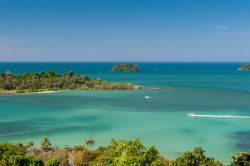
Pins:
<point x="45" y="92"/>
<point x="13" y="92"/>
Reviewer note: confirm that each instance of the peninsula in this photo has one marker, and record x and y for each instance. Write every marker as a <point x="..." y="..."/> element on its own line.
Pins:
<point x="53" y="81"/>
<point x="125" y="68"/>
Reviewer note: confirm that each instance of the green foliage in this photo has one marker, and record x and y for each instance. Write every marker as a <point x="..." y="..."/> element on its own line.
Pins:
<point x="242" y="159"/>
<point x="118" y="153"/>
<point x="29" y="144"/>
<point x="8" y="150"/>
<point x="245" y="67"/>
<point x="45" y="144"/>
<point x="83" y="157"/>
<point x="126" y="68"/>
<point x="55" y="155"/>
<point x="195" y="158"/>
<point x="53" y="81"/>
<point x="53" y="162"/>
<point x="26" y="161"/>
<point x="121" y="153"/>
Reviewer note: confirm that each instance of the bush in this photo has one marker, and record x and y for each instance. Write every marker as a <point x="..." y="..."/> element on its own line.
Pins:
<point x="195" y="158"/>
<point x="82" y="157"/>
<point x="53" y="162"/>
<point x="242" y="159"/>
<point x="26" y="161"/>
<point x="60" y="154"/>
<point x="129" y="153"/>
<point x="8" y="150"/>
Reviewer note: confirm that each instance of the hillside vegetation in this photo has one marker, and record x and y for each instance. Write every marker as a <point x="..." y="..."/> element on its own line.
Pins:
<point x="53" y="81"/>
<point x="117" y="153"/>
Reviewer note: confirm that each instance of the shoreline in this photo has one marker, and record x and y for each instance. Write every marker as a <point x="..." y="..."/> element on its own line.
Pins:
<point x="44" y="92"/>
<point x="14" y="92"/>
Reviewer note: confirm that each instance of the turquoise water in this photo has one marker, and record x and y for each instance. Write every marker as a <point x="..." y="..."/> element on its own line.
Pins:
<point x="175" y="89"/>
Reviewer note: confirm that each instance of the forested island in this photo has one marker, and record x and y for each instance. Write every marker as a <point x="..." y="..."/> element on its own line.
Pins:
<point x="53" y="81"/>
<point x="245" y="67"/>
<point x="117" y="153"/>
<point x="125" y="68"/>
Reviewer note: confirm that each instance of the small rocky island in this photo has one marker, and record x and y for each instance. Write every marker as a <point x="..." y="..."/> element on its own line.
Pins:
<point x="245" y="67"/>
<point x="125" y="68"/>
<point x="53" y="81"/>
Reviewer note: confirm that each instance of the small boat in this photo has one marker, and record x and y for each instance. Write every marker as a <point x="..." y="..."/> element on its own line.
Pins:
<point x="218" y="116"/>
<point x="147" y="97"/>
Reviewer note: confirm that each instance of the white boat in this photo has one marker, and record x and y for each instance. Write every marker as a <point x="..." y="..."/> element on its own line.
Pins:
<point x="147" y="97"/>
<point x="218" y="116"/>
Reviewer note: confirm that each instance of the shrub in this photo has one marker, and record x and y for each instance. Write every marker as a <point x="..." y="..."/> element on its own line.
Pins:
<point x="53" y="162"/>
<point x="129" y="153"/>
<point x="60" y="154"/>
<point x="82" y="157"/>
<point x="26" y="161"/>
<point x="8" y="150"/>
<point x="29" y="144"/>
<point x="242" y="159"/>
<point x="195" y="158"/>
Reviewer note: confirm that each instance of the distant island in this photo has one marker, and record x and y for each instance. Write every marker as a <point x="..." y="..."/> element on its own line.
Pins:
<point x="53" y="81"/>
<point x="125" y="68"/>
<point x="245" y="67"/>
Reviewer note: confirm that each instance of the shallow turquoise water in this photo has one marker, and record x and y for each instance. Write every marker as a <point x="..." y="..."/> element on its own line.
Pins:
<point x="176" y="89"/>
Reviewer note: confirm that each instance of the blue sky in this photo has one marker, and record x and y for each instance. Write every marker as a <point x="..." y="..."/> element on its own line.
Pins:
<point x="124" y="30"/>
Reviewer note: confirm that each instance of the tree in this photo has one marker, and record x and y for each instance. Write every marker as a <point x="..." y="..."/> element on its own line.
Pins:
<point x="51" y="81"/>
<point x="129" y="153"/>
<point x="89" y="142"/>
<point x="242" y="159"/>
<point x="45" y="144"/>
<point x="8" y="150"/>
<point x="195" y="158"/>
<point x="70" y="73"/>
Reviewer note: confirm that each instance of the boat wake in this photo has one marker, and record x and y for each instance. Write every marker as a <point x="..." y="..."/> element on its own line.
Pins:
<point x="218" y="116"/>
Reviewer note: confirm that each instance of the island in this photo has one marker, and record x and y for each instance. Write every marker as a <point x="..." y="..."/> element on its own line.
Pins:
<point x="52" y="81"/>
<point x="245" y="67"/>
<point x="125" y="68"/>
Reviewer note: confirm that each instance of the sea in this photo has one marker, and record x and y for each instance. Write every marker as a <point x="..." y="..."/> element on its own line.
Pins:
<point x="160" y="115"/>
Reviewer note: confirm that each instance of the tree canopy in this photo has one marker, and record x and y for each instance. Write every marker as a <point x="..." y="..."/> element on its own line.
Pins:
<point x="118" y="153"/>
<point x="125" y="68"/>
<point x="245" y="67"/>
<point x="53" y="81"/>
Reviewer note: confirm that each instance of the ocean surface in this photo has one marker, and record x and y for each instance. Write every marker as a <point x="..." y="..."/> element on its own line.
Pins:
<point x="173" y="90"/>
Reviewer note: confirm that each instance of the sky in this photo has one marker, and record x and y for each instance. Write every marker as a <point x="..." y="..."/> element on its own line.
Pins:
<point x="125" y="30"/>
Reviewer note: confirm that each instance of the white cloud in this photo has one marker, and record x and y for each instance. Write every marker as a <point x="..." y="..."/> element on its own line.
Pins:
<point x="222" y="27"/>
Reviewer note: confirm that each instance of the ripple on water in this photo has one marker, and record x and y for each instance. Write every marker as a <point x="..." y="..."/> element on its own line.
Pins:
<point x="83" y="118"/>
<point x="10" y="127"/>
<point x="242" y="140"/>
<point x="25" y="131"/>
